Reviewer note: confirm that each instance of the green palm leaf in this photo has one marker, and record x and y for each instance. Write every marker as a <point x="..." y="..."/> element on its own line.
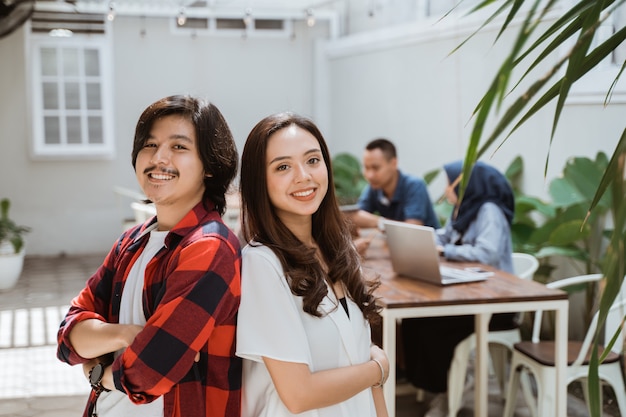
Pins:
<point x="581" y="22"/>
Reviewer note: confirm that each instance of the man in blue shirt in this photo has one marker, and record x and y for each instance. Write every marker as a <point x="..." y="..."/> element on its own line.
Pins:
<point x="390" y="193"/>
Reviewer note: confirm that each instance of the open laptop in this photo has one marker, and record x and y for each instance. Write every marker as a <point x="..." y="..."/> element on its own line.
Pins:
<point x="413" y="253"/>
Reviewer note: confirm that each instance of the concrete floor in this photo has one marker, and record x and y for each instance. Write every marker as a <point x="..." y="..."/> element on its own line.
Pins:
<point x="34" y="383"/>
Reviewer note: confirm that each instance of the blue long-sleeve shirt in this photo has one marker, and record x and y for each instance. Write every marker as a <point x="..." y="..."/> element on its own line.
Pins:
<point x="487" y="240"/>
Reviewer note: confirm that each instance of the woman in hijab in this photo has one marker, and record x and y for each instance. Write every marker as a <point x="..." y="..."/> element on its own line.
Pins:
<point x="479" y="230"/>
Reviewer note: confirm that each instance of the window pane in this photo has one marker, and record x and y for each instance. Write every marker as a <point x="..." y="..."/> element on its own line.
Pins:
<point x="93" y="96"/>
<point x="70" y="62"/>
<point x="92" y="63"/>
<point x="72" y="96"/>
<point x="69" y="109"/>
<point x="95" y="129"/>
<point x="195" y="23"/>
<point x="48" y="61"/>
<point x="73" y="130"/>
<point x="51" y="127"/>
<point x="269" y="24"/>
<point x="224" y="23"/>
<point x="50" y="96"/>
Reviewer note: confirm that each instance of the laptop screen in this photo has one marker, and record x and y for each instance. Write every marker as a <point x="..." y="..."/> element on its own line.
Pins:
<point x="413" y="253"/>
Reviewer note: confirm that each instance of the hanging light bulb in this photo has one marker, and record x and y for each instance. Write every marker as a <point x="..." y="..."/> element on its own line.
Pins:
<point x="111" y="13"/>
<point x="310" y="18"/>
<point x="181" y="19"/>
<point x="247" y="19"/>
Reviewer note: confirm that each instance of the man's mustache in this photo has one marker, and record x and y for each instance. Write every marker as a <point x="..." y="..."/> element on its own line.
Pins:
<point x="160" y="170"/>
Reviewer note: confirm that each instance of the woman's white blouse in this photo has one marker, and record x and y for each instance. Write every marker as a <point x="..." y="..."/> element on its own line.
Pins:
<point x="271" y="323"/>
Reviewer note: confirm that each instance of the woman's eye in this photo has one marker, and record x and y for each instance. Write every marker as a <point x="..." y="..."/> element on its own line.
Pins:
<point x="282" y="167"/>
<point x="314" y="160"/>
<point x="180" y="147"/>
<point x="149" y="145"/>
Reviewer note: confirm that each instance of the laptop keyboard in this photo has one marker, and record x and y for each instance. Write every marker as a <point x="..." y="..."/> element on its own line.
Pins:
<point x="459" y="274"/>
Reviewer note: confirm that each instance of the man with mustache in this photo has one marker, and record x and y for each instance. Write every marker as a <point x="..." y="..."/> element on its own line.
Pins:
<point x="154" y="327"/>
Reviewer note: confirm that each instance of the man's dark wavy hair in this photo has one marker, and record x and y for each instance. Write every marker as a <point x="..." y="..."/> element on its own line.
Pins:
<point x="215" y="143"/>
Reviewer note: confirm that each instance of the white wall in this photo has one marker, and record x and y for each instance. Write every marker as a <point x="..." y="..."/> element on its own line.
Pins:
<point x="401" y="83"/>
<point x="397" y="83"/>
<point x="70" y="205"/>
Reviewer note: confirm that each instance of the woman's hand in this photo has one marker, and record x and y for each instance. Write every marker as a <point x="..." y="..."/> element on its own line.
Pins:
<point x="380" y="356"/>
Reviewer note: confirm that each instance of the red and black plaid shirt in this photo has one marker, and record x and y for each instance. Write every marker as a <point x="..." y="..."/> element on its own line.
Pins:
<point x="190" y="298"/>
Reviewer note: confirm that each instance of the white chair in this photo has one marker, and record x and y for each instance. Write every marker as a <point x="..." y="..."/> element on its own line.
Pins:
<point x="524" y="265"/>
<point x="537" y="357"/>
<point x="500" y="346"/>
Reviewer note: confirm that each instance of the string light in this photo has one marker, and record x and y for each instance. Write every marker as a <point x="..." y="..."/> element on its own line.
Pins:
<point x="182" y="17"/>
<point x="247" y="19"/>
<point x="310" y="18"/>
<point x="111" y="13"/>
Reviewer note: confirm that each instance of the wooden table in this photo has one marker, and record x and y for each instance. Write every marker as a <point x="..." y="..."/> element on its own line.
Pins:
<point x="403" y="297"/>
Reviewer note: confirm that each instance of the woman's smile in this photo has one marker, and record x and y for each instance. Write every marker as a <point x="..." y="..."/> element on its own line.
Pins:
<point x="305" y="195"/>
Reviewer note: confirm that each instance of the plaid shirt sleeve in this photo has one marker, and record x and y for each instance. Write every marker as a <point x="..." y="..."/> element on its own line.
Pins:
<point x="93" y="302"/>
<point x="195" y="311"/>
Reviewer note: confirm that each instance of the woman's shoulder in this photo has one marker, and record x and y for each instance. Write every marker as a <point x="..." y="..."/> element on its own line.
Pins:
<point x="491" y="213"/>
<point x="254" y="247"/>
<point x="490" y="207"/>
<point x="256" y="250"/>
<point x="261" y="263"/>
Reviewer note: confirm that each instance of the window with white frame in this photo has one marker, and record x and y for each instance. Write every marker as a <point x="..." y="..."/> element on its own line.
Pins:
<point x="71" y="108"/>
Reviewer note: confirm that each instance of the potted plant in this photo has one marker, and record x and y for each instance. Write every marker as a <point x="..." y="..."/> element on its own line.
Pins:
<point x="11" y="247"/>
<point x="348" y="179"/>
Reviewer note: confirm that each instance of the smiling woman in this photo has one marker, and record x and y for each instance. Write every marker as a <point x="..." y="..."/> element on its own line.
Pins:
<point x="303" y="271"/>
<point x="297" y="179"/>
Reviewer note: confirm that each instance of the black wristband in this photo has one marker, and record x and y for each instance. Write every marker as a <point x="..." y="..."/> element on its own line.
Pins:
<point x="95" y="378"/>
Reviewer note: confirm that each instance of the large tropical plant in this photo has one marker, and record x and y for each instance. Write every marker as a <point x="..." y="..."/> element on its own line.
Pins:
<point x="560" y="227"/>
<point x="348" y="178"/>
<point x="537" y="44"/>
<point x="557" y="229"/>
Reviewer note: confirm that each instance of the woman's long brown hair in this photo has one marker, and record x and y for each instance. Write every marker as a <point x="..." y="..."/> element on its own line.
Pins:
<point x="330" y="228"/>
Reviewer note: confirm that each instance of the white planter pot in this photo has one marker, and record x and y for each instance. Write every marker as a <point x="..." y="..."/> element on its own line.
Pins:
<point x="10" y="269"/>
